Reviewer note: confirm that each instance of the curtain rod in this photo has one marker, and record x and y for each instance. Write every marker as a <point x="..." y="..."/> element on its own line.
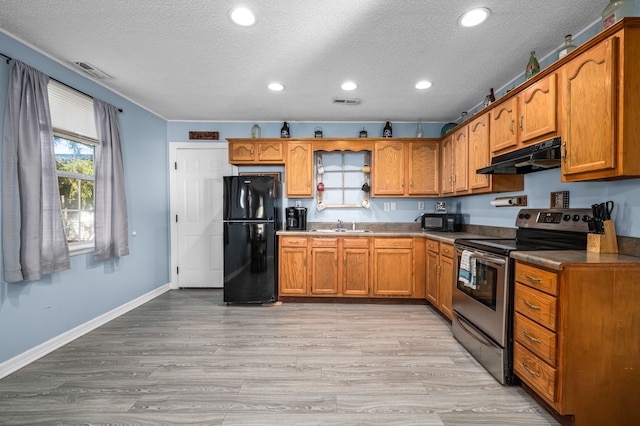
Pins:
<point x="8" y="58"/>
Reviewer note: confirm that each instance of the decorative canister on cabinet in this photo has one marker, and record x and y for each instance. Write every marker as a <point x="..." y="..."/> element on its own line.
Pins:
<point x="317" y="132"/>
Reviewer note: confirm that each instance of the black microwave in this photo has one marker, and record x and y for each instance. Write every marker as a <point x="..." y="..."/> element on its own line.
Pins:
<point x="444" y="222"/>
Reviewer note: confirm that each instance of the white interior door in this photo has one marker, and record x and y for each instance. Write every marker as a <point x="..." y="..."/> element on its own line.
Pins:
<point x="198" y="256"/>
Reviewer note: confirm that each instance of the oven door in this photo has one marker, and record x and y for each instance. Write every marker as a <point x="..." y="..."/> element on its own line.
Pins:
<point x="485" y="304"/>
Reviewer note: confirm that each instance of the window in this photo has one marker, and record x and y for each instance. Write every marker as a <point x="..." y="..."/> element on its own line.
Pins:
<point x="75" y="142"/>
<point x="343" y="177"/>
<point x="75" y="166"/>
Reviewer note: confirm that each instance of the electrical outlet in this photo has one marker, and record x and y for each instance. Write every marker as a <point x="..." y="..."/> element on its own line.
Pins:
<point x="420" y="205"/>
<point x="386" y="207"/>
<point x="393" y="205"/>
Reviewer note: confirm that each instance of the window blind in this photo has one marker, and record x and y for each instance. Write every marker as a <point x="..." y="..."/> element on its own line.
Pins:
<point x="71" y="111"/>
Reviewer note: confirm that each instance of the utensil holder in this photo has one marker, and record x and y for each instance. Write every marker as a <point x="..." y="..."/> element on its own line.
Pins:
<point x="604" y="243"/>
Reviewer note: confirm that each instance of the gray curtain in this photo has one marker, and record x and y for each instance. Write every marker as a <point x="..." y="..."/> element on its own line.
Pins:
<point x="111" y="227"/>
<point x="33" y="238"/>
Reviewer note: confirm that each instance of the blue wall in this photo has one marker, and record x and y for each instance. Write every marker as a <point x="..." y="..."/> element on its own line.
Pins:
<point x="34" y="312"/>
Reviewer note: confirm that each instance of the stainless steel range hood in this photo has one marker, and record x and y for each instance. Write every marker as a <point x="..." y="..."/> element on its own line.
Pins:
<point x="541" y="156"/>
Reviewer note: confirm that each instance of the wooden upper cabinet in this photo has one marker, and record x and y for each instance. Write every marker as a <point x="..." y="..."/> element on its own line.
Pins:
<point x="537" y="106"/>
<point x="299" y="170"/>
<point x="479" y="155"/>
<point x="455" y="162"/>
<point x="256" y="151"/>
<point x="529" y="117"/>
<point x="424" y="168"/>
<point x="590" y="139"/>
<point x="503" y="126"/>
<point x="389" y="164"/>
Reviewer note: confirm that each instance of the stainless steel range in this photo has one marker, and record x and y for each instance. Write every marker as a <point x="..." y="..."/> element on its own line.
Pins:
<point x="483" y="292"/>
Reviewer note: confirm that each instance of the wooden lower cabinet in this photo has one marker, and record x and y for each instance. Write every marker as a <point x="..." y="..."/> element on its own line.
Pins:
<point x="292" y="266"/>
<point x="393" y="267"/>
<point x="440" y="276"/>
<point x="576" y="339"/>
<point x="351" y="266"/>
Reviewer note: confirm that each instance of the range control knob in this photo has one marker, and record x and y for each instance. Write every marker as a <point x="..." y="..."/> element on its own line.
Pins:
<point x="575" y="217"/>
<point x="586" y="218"/>
<point x="566" y="217"/>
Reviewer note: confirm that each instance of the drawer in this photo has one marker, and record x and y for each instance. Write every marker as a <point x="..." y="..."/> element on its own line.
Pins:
<point x="537" y="278"/>
<point x="324" y="242"/>
<point x="355" y="242"/>
<point x="446" y="250"/>
<point x="535" y="372"/>
<point x="536" y="305"/>
<point x="393" y="242"/>
<point x="433" y="245"/>
<point x="536" y="338"/>
<point x="293" y="241"/>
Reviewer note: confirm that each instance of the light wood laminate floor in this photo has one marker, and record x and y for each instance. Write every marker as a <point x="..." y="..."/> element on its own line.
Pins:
<point x="188" y="358"/>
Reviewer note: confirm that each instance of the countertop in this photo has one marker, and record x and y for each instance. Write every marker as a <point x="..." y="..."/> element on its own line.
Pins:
<point x="446" y="237"/>
<point x="557" y="259"/>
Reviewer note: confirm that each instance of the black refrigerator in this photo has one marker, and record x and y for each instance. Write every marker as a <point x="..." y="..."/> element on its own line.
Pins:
<point x="251" y="218"/>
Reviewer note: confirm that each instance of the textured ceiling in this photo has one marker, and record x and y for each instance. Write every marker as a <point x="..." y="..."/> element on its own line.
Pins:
<point x="184" y="60"/>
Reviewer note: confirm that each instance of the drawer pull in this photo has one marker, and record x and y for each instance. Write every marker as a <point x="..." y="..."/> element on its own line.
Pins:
<point x="532" y="306"/>
<point x="533" y="373"/>
<point x="530" y="278"/>
<point x="533" y="339"/>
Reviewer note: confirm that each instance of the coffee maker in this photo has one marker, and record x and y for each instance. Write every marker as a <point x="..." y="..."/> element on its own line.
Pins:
<point x="296" y="218"/>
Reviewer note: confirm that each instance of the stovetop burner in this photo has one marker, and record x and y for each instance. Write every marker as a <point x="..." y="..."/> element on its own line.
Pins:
<point x="540" y="229"/>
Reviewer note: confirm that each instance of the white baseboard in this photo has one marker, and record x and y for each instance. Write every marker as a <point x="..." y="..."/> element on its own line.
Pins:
<point x="33" y="354"/>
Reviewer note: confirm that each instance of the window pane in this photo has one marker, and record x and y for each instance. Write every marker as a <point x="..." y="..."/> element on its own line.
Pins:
<point x="86" y="187"/>
<point x="86" y="225"/>
<point x="69" y="190"/>
<point x="63" y="150"/>
<point x="71" y="221"/>
<point x="84" y="158"/>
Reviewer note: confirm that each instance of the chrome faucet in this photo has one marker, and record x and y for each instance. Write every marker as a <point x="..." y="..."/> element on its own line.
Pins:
<point x="339" y="224"/>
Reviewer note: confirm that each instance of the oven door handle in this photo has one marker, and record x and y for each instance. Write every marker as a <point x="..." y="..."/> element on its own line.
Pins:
<point x="470" y="332"/>
<point x="494" y="260"/>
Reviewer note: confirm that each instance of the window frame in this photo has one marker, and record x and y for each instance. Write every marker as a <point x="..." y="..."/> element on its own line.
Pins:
<point x="78" y="247"/>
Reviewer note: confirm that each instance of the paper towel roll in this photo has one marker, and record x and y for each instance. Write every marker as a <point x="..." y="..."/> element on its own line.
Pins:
<point x="504" y="202"/>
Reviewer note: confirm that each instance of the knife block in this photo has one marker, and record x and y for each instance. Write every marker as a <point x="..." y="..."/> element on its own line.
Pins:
<point x="604" y="243"/>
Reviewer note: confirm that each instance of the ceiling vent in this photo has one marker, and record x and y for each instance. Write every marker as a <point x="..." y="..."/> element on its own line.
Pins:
<point x="90" y="69"/>
<point x="346" y="101"/>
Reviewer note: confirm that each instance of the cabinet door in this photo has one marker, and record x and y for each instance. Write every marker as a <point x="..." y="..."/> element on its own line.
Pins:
<point x="388" y="169"/>
<point x="447" y="278"/>
<point x="270" y="152"/>
<point x="479" y="155"/>
<point x="461" y="160"/>
<point x="324" y="270"/>
<point x="447" y="165"/>
<point x="299" y="170"/>
<point x="393" y="267"/>
<point x="292" y="273"/>
<point x="355" y="271"/>
<point x="241" y="152"/>
<point x="424" y="170"/>
<point x="537" y="105"/>
<point x="589" y="139"/>
<point x="503" y="126"/>
<point x="432" y="278"/>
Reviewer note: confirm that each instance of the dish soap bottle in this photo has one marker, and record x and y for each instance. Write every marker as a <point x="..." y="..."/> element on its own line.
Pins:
<point x="568" y="46"/>
<point x="533" y="67"/>
<point x="386" y="131"/>
<point x="284" y="131"/>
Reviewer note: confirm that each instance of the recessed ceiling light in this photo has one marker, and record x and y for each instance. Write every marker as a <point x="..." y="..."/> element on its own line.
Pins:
<point x="424" y="84"/>
<point x="276" y="87"/>
<point x="349" y="85"/>
<point x="242" y="16"/>
<point x="474" y="17"/>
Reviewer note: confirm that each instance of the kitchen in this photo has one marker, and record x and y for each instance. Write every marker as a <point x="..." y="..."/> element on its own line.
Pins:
<point x="48" y="300"/>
